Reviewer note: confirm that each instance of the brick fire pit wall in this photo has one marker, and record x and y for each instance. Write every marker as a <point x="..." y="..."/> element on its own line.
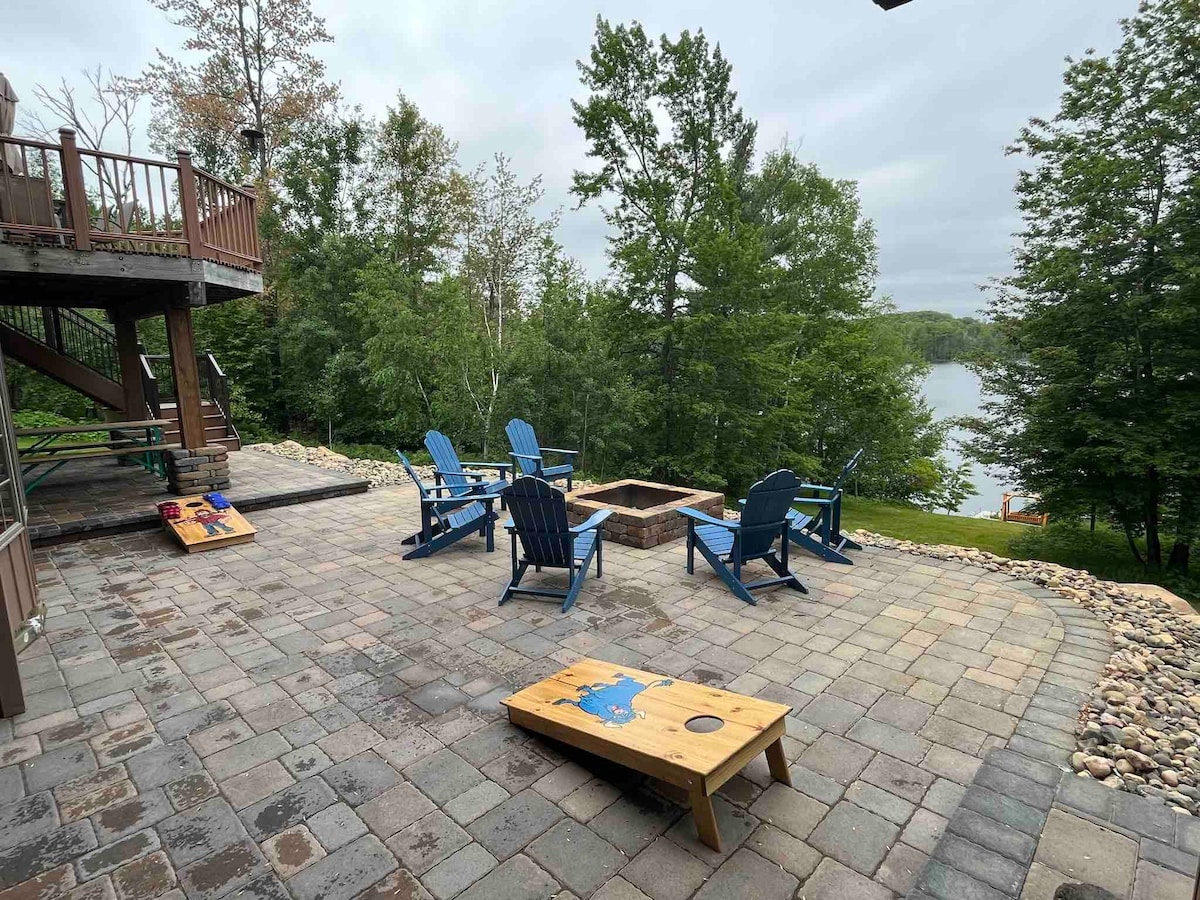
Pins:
<point x="644" y="513"/>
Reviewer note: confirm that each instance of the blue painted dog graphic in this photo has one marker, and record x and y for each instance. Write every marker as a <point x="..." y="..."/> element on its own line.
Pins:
<point x="613" y="702"/>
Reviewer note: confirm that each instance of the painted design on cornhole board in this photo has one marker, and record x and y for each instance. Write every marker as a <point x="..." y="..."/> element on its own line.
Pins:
<point x="613" y="703"/>
<point x="200" y="526"/>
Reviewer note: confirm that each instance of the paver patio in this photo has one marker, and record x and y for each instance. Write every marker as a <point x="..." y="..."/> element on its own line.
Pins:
<point x="310" y="716"/>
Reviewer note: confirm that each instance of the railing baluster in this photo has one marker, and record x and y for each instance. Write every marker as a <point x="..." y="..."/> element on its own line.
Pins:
<point x="137" y="211"/>
<point x="150" y="200"/>
<point x="28" y="184"/>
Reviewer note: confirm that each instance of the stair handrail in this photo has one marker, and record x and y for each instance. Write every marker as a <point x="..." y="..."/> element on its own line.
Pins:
<point x="218" y="389"/>
<point x="69" y="333"/>
<point x="150" y="387"/>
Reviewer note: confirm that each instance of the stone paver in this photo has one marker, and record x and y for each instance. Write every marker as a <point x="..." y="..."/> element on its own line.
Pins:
<point x="310" y="716"/>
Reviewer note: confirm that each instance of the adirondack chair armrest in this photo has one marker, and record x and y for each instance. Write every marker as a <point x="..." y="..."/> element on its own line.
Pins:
<point x="501" y="466"/>
<point x="595" y="520"/>
<point x="706" y="519"/>
<point x="819" y="501"/>
<point x="437" y="489"/>
<point x="819" y="487"/>
<point x="559" y="450"/>
<point x="524" y="456"/>
<point x="475" y="475"/>
<point x="449" y="504"/>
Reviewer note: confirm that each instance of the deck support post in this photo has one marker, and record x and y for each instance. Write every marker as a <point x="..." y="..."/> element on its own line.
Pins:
<point x="187" y="379"/>
<point x="131" y="369"/>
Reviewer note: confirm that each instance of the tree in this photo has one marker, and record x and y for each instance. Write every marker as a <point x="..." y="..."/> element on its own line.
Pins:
<point x="661" y="119"/>
<point x="103" y="118"/>
<point x="504" y="243"/>
<point x="1098" y="397"/>
<point x="257" y="71"/>
<point x="417" y="196"/>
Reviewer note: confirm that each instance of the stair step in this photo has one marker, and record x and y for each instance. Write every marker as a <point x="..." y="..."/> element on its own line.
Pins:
<point x="209" y="431"/>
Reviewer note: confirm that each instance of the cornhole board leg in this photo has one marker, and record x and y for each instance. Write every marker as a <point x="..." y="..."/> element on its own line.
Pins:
<point x="701" y="794"/>
<point x="777" y="762"/>
<point x="706" y="820"/>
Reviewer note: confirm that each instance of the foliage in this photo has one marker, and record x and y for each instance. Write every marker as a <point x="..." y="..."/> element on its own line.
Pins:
<point x="940" y="337"/>
<point x="34" y="393"/>
<point x="737" y="333"/>
<point x="256" y="69"/>
<point x="1098" y="399"/>
<point x="35" y="418"/>
<point x="742" y="297"/>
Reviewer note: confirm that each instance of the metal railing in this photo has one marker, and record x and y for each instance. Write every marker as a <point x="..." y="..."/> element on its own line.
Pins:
<point x="69" y="333"/>
<point x="158" y="384"/>
<point x="93" y="200"/>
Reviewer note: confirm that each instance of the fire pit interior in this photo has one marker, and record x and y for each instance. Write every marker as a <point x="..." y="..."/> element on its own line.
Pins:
<point x="638" y="495"/>
<point x="645" y="514"/>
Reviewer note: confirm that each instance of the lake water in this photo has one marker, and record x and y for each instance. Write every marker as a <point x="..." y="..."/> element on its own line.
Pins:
<point x="954" y="390"/>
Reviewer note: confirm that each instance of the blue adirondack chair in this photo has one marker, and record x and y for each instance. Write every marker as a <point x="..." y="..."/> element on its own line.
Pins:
<point x="821" y="532"/>
<point x="548" y="540"/>
<point x="527" y="454"/>
<point x="728" y="545"/>
<point x="448" y="519"/>
<point x="450" y="471"/>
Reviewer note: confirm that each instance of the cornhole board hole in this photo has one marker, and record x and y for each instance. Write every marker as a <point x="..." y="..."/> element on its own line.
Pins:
<point x="688" y="735"/>
<point x="200" y="527"/>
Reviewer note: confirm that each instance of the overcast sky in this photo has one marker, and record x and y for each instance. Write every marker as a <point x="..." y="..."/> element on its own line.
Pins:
<point x="916" y="104"/>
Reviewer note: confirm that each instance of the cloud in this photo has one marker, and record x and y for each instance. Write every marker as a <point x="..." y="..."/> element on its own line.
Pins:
<point x="917" y="104"/>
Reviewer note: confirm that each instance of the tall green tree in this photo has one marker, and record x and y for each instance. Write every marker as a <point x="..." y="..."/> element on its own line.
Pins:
<point x="1099" y="397"/>
<point x="415" y="194"/>
<point x="661" y="120"/>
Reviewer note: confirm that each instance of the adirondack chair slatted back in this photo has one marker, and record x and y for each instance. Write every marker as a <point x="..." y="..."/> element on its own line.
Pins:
<point x="767" y="503"/>
<point x="446" y="460"/>
<point x="539" y="512"/>
<point x="847" y="470"/>
<point x="523" y="440"/>
<point x="413" y="475"/>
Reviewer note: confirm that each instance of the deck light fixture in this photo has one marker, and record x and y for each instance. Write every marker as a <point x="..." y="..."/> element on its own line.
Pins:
<point x="254" y="140"/>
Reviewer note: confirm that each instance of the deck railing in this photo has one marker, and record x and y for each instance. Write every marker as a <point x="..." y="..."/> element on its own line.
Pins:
<point x="92" y="200"/>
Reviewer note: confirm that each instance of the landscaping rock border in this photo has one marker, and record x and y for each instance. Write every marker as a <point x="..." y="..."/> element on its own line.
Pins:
<point x="377" y="472"/>
<point x="1139" y="730"/>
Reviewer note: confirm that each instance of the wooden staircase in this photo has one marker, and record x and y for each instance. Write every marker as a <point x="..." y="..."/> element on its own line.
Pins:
<point x="81" y="353"/>
<point x="216" y="428"/>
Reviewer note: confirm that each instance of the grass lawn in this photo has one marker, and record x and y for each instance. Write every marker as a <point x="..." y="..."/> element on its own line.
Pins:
<point x="1104" y="553"/>
<point x="911" y="524"/>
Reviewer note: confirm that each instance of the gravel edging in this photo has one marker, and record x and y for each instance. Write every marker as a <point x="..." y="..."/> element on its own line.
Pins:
<point x="377" y="472"/>
<point x="1138" y="728"/>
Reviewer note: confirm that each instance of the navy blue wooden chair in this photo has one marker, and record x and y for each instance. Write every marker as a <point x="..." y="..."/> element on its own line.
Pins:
<point x="450" y="471"/>
<point x="446" y="518"/>
<point x="549" y="541"/>
<point x="729" y="545"/>
<point x="820" y="533"/>
<point x="527" y="454"/>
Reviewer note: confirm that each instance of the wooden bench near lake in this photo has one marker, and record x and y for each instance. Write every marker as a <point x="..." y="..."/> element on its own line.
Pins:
<point x="688" y="735"/>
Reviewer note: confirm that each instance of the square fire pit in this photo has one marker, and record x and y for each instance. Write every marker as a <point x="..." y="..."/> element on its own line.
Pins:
<point x="644" y="513"/>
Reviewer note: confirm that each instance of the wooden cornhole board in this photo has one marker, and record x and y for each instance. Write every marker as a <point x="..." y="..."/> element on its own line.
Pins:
<point x="641" y="720"/>
<point x="229" y="524"/>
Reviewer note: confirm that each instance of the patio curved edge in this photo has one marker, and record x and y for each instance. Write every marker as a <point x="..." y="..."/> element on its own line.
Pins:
<point x="1027" y="815"/>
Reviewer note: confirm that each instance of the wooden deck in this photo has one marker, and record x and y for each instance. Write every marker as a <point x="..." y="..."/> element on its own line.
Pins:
<point x="66" y="198"/>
